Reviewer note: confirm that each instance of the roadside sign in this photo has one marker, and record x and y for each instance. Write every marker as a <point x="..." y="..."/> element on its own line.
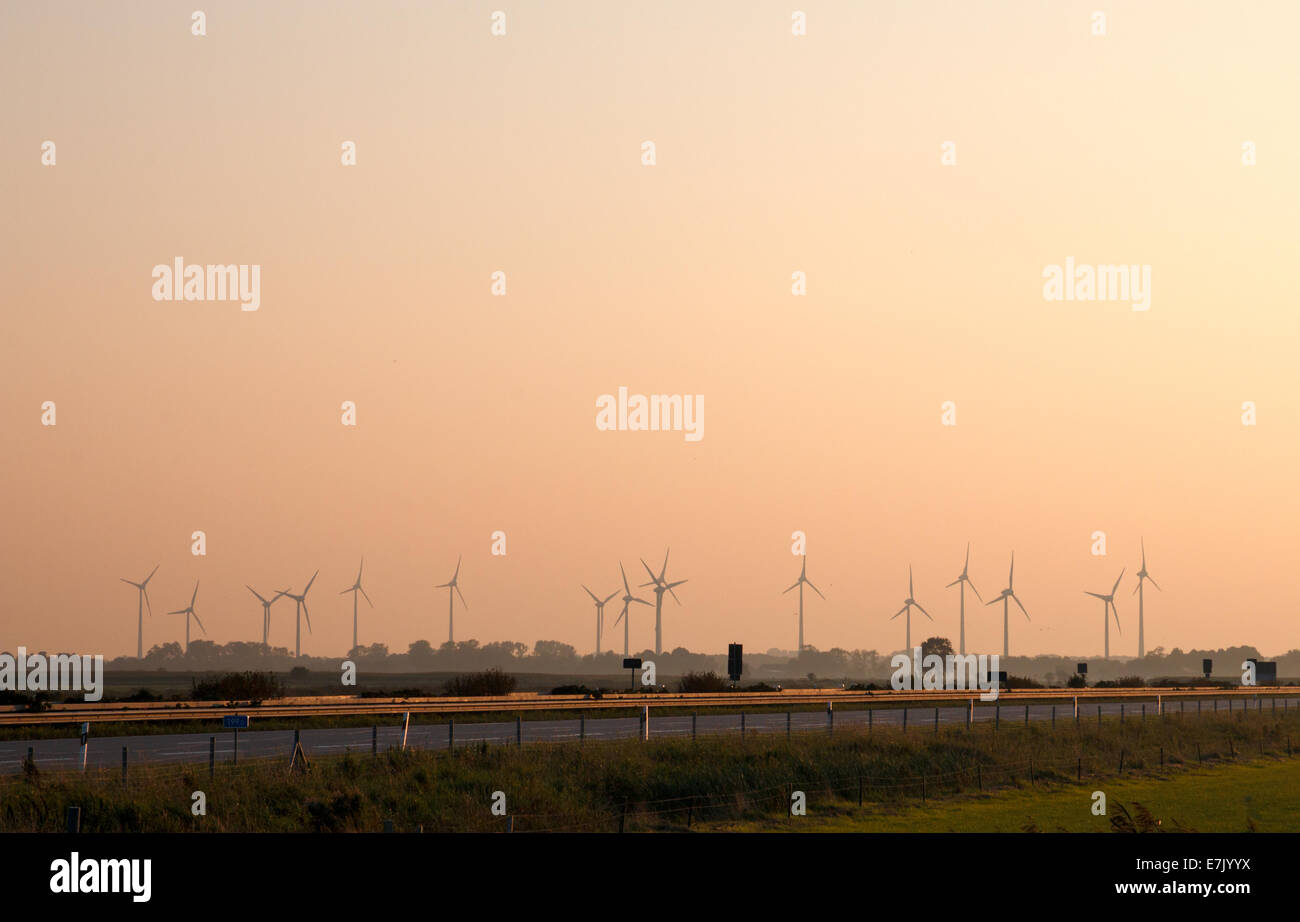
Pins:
<point x="235" y="722"/>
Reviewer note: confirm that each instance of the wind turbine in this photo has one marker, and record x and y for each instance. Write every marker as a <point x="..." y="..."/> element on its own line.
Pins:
<point x="964" y="581"/>
<point x="661" y="586"/>
<point x="354" y="589"/>
<point x="452" y="587"/>
<point x="300" y="609"/>
<point x="1008" y="593"/>
<point x="142" y="599"/>
<point x="187" y="611"/>
<point x="907" y="608"/>
<point x="628" y="599"/>
<point x="803" y="578"/>
<point x="1143" y="575"/>
<point x="1106" y="609"/>
<point x="600" y="613"/>
<point x="266" y="610"/>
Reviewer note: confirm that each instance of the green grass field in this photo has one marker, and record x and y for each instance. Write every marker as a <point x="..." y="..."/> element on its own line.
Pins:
<point x="1259" y="796"/>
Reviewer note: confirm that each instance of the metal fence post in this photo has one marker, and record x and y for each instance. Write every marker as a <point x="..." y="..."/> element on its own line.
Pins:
<point x="374" y="741"/>
<point x="519" y="730"/>
<point x="124" y="765"/>
<point x="212" y="756"/>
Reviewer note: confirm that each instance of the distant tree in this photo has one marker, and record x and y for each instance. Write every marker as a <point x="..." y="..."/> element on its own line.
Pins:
<point x="937" y="646"/>
<point x="554" y="649"/>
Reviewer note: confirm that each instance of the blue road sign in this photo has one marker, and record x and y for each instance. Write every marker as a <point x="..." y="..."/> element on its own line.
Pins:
<point x="235" y="721"/>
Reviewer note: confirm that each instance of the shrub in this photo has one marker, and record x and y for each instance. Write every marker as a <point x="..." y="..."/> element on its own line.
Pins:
<point x="703" y="682"/>
<point x="238" y="686"/>
<point x="478" y="684"/>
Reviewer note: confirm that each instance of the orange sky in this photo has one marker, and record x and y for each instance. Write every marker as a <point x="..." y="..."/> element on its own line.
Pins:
<point x="521" y="153"/>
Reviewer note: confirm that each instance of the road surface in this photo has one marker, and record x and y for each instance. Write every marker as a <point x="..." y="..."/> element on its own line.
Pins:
<point x="156" y="749"/>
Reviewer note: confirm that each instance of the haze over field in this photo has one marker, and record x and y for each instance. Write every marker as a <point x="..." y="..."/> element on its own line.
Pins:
<point x="522" y="154"/>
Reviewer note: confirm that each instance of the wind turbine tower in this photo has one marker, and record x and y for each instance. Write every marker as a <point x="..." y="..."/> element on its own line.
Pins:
<point x="142" y="599"/>
<point x="803" y="578"/>
<point x="453" y="587"/>
<point x="964" y="581"/>
<point x="1107" y="608"/>
<point x="661" y="586"/>
<point x="354" y="589"/>
<point x="628" y="599"/>
<point x="1008" y="595"/>
<point x="1143" y="575"/>
<point x="907" y="609"/>
<point x="188" y="612"/>
<point x="600" y="613"/>
<point x="266" y="610"/>
<point x="300" y="609"/>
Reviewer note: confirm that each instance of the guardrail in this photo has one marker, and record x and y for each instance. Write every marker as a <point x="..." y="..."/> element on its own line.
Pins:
<point x="337" y="706"/>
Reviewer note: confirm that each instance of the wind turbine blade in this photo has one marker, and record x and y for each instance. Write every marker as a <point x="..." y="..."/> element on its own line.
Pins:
<point x="973" y="589"/>
<point x="626" y="590"/>
<point x="653" y="579"/>
<point x="1154" y="583"/>
<point x="644" y="602"/>
<point x="899" y="612"/>
<point x="910" y="591"/>
<point x="967" y="563"/>
<point x="1095" y="595"/>
<point x="151" y="573"/>
<point x="360" y="568"/>
<point x="665" y="566"/>
<point x="1117" y="579"/>
<point x="814" y="588"/>
<point x="310" y="581"/>
<point x="196" y="593"/>
<point x="147" y="605"/>
<point x="1011" y="574"/>
<point x="605" y="601"/>
<point x="347" y="590"/>
<point x="992" y="601"/>
<point x="442" y="586"/>
<point x="368" y="602"/>
<point x="201" y="627"/>
<point x="462" y="598"/>
<point x="1022" y="607"/>
<point x="129" y="583"/>
<point x="792" y="586"/>
<point x="953" y="583"/>
<point x="254" y="592"/>
<point x="1144" y="553"/>
<point x="307" y="613"/>
<point x="620" y="616"/>
<point x="923" y="611"/>
<point x="179" y="611"/>
<point x="457" y="573"/>
<point x="590" y="593"/>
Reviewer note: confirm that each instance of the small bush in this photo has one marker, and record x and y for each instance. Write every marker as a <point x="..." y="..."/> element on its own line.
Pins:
<point x="238" y="686"/>
<point x="480" y="684"/>
<point x="703" y="682"/>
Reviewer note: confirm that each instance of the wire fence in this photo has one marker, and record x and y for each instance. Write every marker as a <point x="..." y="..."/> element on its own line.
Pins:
<point x="684" y="811"/>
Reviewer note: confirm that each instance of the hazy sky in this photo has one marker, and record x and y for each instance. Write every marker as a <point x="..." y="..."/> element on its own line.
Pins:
<point x="775" y="153"/>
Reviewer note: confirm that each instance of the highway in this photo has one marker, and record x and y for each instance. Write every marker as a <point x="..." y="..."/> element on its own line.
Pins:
<point x="106" y="752"/>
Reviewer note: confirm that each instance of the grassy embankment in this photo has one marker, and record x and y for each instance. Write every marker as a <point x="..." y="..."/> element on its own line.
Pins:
<point x="670" y="784"/>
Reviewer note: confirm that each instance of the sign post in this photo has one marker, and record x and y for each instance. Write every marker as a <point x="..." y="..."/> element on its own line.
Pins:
<point x="634" y="664"/>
